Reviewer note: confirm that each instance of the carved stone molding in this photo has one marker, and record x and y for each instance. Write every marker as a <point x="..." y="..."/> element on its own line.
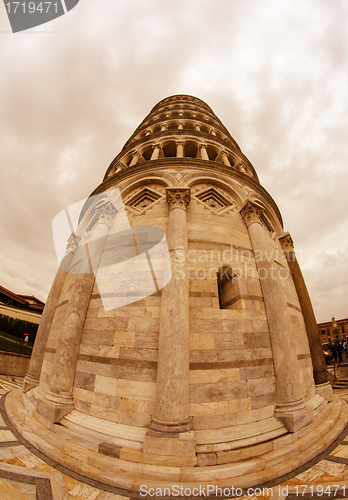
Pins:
<point x="106" y="213"/>
<point x="287" y="243"/>
<point x="143" y="199"/>
<point x="214" y="199"/>
<point x="251" y="212"/>
<point x="178" y="197"/>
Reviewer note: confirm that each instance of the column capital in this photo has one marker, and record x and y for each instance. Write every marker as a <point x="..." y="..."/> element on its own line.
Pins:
<point x="106" y="213"/>
<point x="287" y="243"/>
<point x="178" y="197"/>
<point x="251" y="212"/>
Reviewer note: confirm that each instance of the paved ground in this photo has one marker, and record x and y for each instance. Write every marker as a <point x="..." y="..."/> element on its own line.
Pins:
<point x="26" y="474"/>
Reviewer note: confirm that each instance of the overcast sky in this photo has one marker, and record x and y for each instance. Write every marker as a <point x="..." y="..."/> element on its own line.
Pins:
<point x="275" y="72"/>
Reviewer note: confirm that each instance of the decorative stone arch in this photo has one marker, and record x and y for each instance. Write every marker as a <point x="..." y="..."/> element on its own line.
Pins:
<point x="151" y="179"/>
<point x="189" y="125"/>
<point x="232" y="189"/>
<point x="173" y="125"/>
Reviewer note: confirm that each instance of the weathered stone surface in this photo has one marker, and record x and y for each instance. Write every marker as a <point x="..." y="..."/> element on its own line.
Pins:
<point x="85" y="381"/>
<point x="218" y="391"/>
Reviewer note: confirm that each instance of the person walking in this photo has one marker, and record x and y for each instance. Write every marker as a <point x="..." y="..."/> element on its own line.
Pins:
<point x="345" y="347"/>
<point x="333" y="349"/>
<point x="340" y="351"/>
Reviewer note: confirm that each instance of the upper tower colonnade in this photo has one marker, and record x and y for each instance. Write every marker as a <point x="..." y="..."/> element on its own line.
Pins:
<point x="182" y="127"/>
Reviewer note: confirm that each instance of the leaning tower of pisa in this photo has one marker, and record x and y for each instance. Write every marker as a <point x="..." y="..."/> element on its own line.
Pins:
<point x="178" y="345"/>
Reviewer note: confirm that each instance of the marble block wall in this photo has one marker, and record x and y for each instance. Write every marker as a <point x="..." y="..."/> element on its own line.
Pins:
<point x="232" y="379"/>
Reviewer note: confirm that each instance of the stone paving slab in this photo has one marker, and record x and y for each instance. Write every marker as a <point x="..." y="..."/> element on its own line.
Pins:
<point x="26" y="474"/>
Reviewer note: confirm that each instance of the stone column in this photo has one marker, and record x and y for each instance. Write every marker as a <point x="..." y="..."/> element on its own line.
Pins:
<point x="155" y="153"/>
<point x="59" y="399"/>
<point x="204" y="154"/>
<point x="319" y="366"/>
<point x="135" y="159"/>
<point x="225" y="159"/>
<point x="290" y="408"/>
<point x="172" y="397"/>
<point x="180" y="149"/>
<point x="32" y="377"/>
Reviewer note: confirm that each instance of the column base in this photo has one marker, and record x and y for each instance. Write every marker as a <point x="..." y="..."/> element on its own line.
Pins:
<point x="54" y="407"/>
<point x="29" y="382"/>
<point x="294" y="415"/>
<point x="324" y="390"/>
<point x="174" y="427"/>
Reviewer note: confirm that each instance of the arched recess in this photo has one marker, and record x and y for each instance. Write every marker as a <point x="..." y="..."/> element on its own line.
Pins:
<point x="188" y="125"/>
<point x="228" y="288"/>
<point x="233" y="190"/>
<point x="152" y="180"/>
<point x="147" y="153"/>
<point x="212" y="152"/>
<point x="169" y="149"/>
<point x="173" y="126"/>
<point x="231" y="159"/>
<point x="204" y="129"/>
<point x="191" y="149"/>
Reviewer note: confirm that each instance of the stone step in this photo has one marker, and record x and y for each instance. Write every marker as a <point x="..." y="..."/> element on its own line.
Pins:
<point x="241" y="433"/>
<point x="106" y="427"/>
<point x="273" y="458"/>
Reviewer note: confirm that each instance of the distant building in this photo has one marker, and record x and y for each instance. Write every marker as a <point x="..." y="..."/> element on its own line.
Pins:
<point x="24" y="307"/>
<point x="35" y="304"/>
<point x="331" y="330"/>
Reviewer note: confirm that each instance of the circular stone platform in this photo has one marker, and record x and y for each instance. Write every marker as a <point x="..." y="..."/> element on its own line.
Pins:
<point x="87" y="446"/>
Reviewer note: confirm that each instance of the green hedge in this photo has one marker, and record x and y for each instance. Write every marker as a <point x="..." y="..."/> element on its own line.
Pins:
<point x="18" y="327"/>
